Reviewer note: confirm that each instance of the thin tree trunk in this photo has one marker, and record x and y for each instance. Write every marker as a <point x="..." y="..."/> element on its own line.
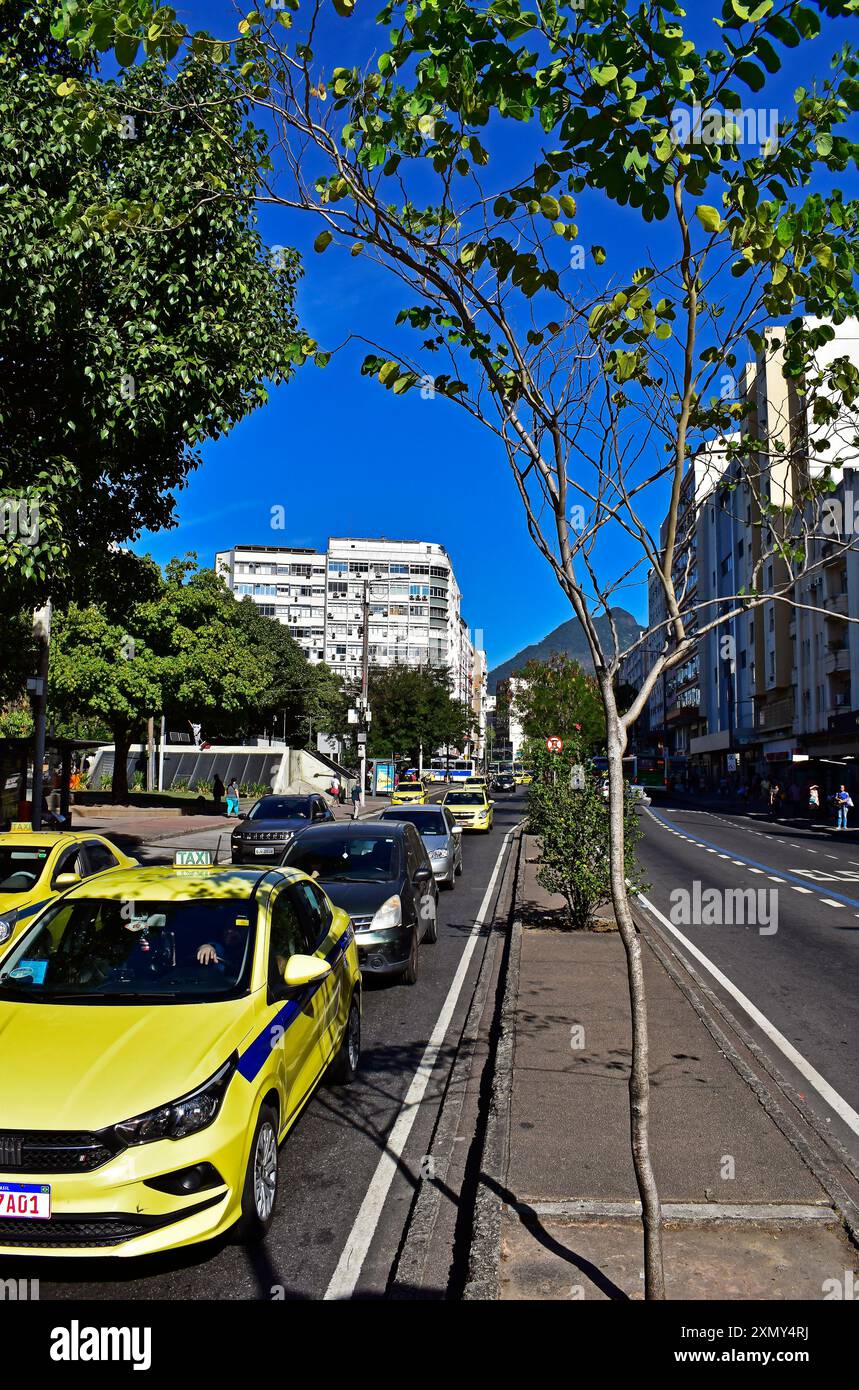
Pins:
<point x="639" y="1076"/>
<point x="119" y="781"/>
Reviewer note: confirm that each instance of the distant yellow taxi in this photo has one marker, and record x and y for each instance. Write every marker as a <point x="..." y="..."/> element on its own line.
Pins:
<point x="36" y="865"/>
<point x="162" y="1030"/>
<point x="409" y="794"/>
<point x="471" y="808"/>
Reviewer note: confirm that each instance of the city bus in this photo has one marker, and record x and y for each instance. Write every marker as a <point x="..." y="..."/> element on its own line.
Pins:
<point x="456" y="769"/>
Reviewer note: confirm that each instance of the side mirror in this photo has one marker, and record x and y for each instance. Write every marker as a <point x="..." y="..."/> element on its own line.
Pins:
<point x="243" y="815"/>
<point x="305" y="970"/>
<point x="424" y="874"/>
<point x="457" y="830"/>
<point x="67" y="880"/>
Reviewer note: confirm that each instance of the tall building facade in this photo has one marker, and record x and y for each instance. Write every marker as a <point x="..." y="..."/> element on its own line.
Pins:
<point x="415" y="602"/>
<point x="778" y="683"/>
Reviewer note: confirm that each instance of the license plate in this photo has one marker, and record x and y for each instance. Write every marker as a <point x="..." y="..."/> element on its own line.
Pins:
<point x="264" y="849"/>
<point x="25" y="1199"/>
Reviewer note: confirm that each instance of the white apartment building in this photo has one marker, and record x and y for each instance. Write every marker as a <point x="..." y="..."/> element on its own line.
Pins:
<point x="415" y="603"/>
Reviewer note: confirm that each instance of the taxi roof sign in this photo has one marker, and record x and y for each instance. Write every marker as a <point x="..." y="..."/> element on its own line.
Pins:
<point x="193" y="859"/>
<point x="20" y="827"/>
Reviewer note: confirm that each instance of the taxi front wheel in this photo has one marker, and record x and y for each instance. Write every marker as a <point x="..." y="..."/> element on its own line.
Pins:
<point x="344" y="1067"/>
<point x="259" y="1194"/>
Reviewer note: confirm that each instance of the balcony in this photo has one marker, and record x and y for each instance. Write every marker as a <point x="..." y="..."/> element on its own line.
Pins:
<point x="836" y="603"/>
<point x="837" y="660"/>
<point x="779" y="714"/>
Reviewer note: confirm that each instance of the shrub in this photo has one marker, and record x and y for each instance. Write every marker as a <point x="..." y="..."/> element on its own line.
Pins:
<point x="572" y="828"/>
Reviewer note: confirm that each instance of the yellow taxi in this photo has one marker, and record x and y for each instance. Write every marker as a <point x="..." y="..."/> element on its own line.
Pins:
<point x="163" y="1029"/>
<point x="470" y="808"/>
<point x="36" y="865"/>
<point x="409" y="794"/>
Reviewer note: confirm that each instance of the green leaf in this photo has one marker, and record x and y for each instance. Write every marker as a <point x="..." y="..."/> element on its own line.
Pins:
<point x="708" y="217"/>
<point x="324" y="239"/>
<point x="344" y="8"/>
<point x="598" y="253"/>
<point x="602" y="76"/>
<point x="751" y="75"/>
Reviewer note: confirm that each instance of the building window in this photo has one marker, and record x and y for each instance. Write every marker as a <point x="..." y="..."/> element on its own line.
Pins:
<point x="338" y="567"/>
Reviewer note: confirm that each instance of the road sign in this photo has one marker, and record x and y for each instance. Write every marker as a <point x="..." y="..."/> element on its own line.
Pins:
<point x="554" y="744"/>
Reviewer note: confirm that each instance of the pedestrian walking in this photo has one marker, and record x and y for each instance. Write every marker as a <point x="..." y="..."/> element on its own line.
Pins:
<point x="218" y="787"/>
<point x="356" y="800"/>
<point x="775" y="800"/>
<point x="233" y="798"/>
<point x="843" y="804"/>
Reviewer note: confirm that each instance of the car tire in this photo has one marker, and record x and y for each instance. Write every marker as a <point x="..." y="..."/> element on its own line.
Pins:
<point x="431" y="933"/>
<point x="450" y="881"/>
<point x="410" y="974"/>
<point x="347" y="1058"/>
<point x="259" y="1194"/>
<point x="459" y="866"/>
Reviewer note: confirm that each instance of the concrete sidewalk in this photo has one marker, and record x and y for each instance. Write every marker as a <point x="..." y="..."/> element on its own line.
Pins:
<point x="747" y="1215"/>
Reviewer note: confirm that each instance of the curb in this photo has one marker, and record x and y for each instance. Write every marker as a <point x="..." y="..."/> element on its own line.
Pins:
<point x="484" y="1255"/>
<point x="819" y="1164"/>
<point x="414" y="1251"/>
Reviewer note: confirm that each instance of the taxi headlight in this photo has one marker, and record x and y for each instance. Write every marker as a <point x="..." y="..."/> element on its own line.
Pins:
<point x="390" y="914"/>
<point x="7" y="926"/>
<point x="182" y="1117"/>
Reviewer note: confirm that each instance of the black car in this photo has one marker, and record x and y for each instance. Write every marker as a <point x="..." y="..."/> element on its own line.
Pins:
<point x="504" y="782"/>
<point x="380" y="873"/>
<point x="270" y="824"/>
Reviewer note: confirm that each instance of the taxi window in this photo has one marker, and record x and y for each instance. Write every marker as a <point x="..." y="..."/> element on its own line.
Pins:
<point x="102" y="950"/>
<point x="316" y="910"/>
<point x="99" y="857"/>
<point x="21" y="867"/>
<point x="71" y="861"/>
<point x="290" y="935"/>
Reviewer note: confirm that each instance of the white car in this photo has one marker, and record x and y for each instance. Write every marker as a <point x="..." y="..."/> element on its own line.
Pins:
<point x="633" y="789"/>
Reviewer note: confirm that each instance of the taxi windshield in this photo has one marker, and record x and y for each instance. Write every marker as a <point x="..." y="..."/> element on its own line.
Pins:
<point x="464" y="798"/>
<point x="95" y="950"/>
<point x="21" y="867"/>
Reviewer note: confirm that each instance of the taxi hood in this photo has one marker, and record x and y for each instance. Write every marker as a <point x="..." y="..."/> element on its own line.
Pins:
<point x="71" y="1066"/>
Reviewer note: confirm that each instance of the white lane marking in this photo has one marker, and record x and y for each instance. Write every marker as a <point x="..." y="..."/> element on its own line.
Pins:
<point x="797" y="889"/>
<point x="813" y="1077"/>
<point x="351" y="1262"/>
<point x="773" y="879"/>
<point x="739" y="862"/>
<point x="830" y="902"/>
<point x="753" y="871"/>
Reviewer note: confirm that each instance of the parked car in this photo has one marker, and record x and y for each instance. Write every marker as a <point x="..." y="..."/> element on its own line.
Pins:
<point x="441" y="835"/>
<point x="380" y="873"/>
<point x="271" y="823"/>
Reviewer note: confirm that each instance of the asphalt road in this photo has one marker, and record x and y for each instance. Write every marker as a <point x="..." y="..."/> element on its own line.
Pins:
<point x="329" y="1160"/>
<point x="797" y="963"/>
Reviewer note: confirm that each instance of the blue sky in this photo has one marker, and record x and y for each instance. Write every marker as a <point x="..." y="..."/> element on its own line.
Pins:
<point x="345" y="457"/>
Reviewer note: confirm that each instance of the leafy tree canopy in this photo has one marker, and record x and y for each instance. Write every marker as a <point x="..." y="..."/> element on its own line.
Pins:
<point x="413" y="707"/>
<point x="140" y="314"/>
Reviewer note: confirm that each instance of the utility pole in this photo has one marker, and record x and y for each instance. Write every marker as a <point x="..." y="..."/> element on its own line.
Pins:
<point x="365" y="688"/>
<point x="38" y="686"/>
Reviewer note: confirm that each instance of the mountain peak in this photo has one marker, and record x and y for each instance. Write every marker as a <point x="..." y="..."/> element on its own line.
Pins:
<point x="569" y="639"/>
